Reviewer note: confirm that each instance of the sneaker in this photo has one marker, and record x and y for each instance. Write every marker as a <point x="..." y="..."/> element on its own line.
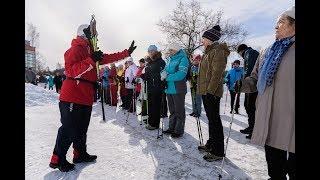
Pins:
<point x="204" y="148"/>
<point x="211" y="157"/>
<point x="62" y="165"/>
<point x="150" y="127"/>
<point x="191" y="114"/>
<point x="85" y="157"/>
<point x="167" y="131"/>
<point x="174" y="135"/>
<point x="246" y="130"/>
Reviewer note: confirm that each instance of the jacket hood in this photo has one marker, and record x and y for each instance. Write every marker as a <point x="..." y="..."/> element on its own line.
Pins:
<point x="79" y="42"/>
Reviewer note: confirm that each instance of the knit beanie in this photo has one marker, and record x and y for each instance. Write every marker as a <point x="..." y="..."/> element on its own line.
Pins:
<point x="213" y="34"/>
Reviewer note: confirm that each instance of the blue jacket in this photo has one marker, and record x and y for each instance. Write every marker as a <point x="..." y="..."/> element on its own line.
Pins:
<point x="50" y="81"/>
<point x="177" y="69"/>
<point x="232" y="76"/>
<point x="105" y="81"/>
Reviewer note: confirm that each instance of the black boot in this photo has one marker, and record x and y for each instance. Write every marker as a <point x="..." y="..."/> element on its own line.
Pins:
<point x="84" y="157"/>
<point x="62" y="165"/>
<point x="167" y="131"/>
<point x="246" y="130"/>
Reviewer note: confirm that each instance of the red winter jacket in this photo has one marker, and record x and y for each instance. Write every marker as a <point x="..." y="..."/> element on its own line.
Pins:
<point x="138" y="74"/>
<point x="77" y="61"/>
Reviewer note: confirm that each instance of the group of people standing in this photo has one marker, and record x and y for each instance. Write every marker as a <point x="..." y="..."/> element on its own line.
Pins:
<point x="267" y="81"/>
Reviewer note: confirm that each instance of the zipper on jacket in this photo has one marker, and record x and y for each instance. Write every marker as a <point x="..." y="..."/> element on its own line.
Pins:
<point x="71" y="107"/>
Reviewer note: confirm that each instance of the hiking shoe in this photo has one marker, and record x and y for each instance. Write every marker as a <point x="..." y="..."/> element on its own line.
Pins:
<point x="210" y="157"/>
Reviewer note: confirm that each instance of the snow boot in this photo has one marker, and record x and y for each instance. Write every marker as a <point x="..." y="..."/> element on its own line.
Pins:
<point x="204" y="148"/>
<point x="246" y="130"/>
<point x="150" y="127"/>
<point x="174" y="135"/>
<point x="83" y="157"/>
<point x="167" y="131"/>
<point x="211" y="157"/>
<point x="62" y="165"/>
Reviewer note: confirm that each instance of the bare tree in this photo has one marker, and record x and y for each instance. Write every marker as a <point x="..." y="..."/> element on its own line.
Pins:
<point x="188" y="22"/>
<point x="33" y="35"/>
<point x="58" y="66"/>
<point x="40" y="62"/>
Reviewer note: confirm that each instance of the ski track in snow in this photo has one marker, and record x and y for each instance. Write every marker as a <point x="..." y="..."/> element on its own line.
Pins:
<point x="129" y="151"/>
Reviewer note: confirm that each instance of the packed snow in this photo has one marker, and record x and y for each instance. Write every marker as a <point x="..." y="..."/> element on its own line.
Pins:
<point x="129" y="151"/>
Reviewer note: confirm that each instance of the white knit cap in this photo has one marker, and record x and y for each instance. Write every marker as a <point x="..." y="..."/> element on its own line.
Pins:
<point x="129" y="59"/>
<point x="174" y="46"/>
<point x="81" y="28"/>
<point x="290" y="12"/>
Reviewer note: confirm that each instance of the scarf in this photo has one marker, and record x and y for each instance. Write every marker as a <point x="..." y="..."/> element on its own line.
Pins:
<point x="271" y="63"/>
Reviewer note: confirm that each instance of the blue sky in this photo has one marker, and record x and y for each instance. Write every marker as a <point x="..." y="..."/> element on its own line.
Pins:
<point x="121" y="21"/>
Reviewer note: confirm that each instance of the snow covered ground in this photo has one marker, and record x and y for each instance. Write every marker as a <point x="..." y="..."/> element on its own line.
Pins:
<point x="129" y="151"/>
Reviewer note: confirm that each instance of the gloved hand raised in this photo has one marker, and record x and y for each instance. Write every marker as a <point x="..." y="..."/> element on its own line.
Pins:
<point x="97" y="56"/>
<point x="131" y="48"/>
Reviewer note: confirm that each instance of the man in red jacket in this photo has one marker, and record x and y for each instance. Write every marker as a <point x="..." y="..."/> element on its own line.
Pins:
<point x="77" y="96"/>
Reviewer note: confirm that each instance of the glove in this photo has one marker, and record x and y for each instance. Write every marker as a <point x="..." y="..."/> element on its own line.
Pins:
<point x="97" y="56"/>
<point x="127" y="80"/>
<point x="163" y="75"/>
<point x="87" y="32"/>
<point x="131" y="48"/>
<point x="237" y="86"/>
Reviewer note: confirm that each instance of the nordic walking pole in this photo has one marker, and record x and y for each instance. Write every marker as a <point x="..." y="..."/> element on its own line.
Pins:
<point x="225" y="151"/>
<point x="198" y="120"/>
<point x="225" y="104"/>
<point x="161" y="119"/>
<point x="93" y="41"/>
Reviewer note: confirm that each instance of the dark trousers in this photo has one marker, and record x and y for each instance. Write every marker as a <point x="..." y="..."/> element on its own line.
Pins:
<point x="216" y="138"/>
<point x="250" y="106"/>
<point x="75" y="119"/>
<point x="233" y="96"/>
<point x="279" y="164"/>
<point x="164" y="105"/>
<point x="177" y="110"/>
<point x="107" y="95"/>
<point x="129" y="102"/>
<point x="154" y="108"/>
<point x="58" y="87"/>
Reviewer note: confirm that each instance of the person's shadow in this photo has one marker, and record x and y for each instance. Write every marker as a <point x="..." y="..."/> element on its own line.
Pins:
<point x="72" y="175"/>
<point x="174" y="158"/>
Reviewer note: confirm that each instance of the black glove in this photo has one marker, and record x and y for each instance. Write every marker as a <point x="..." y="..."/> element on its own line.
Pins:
<point x="131" y="48"/>
<point x="127" y="80"/>
<point x="97" y="56"/>
<point x="87" y="32"/>
<point x="237" y="86"/>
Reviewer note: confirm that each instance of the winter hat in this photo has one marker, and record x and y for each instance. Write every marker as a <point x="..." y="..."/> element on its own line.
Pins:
<point x="129" y="59"/>
<point x="81" y="28"/>
<point x="142" y="60"/>
<point x="213" y="34"/>
<point x="152" y="48"/>
<point x="290" y="12"/>
<point x="241" y="47"/>
<point x="174" y="46"/>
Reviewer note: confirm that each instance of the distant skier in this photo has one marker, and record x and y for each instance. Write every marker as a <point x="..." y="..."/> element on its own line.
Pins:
<point x="50" y="82"/>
